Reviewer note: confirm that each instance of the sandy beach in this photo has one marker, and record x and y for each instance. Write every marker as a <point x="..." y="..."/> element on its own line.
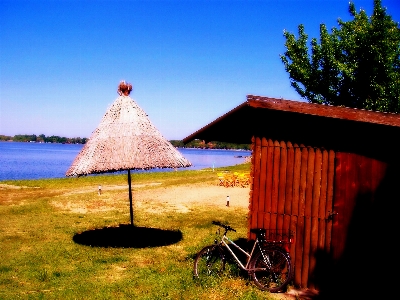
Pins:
<point x="181" y="198"/>
<point x="155" y="198"/>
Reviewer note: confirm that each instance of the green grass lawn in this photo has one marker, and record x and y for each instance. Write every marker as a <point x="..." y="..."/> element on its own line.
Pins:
<point x="51" y="253"/>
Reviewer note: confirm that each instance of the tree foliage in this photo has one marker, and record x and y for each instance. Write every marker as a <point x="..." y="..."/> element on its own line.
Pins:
<point x="200" y="144"/>
<point x="356" y="65"/>
<point x="43" y="139"/>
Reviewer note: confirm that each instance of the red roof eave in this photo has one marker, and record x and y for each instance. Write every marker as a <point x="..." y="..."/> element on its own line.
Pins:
<point x="297" y="107"/>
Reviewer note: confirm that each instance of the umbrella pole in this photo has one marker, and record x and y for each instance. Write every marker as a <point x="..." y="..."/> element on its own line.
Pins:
<point x="130" y="195"/>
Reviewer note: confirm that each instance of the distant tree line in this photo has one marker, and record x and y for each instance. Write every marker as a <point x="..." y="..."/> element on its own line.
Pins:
<point x="43" y="139"/>
<point x="200" y="144"/>
<point x="210" y="145"/>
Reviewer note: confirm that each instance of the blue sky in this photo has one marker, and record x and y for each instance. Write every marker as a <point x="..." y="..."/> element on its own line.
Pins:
<point x="189" y="61"/>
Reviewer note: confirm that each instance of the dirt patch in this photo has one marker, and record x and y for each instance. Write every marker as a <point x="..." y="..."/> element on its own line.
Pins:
<point x="107" y="188"/>
<point x="4" y="186"/>
<point x="181" y="198"/>
<point x="297" y="294"/>
<point x="158" y="199"/>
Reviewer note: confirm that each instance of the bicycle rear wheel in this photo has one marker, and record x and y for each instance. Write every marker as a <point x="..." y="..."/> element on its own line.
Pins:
<point x="210" y="261"/>
<point x="271" y="270"/>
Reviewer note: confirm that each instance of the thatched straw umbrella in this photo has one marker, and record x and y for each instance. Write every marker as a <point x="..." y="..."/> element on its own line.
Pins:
<point x="125" y="140"/>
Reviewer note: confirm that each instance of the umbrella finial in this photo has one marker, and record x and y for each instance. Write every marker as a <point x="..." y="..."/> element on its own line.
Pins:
<point x="124" y="88"/>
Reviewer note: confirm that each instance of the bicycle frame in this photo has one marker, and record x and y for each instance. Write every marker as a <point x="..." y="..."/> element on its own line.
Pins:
<point x="224" y="241"/>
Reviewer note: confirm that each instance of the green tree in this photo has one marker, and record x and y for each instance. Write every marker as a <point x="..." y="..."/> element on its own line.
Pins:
<point x="356" y="65"/>
<point x="41" y="138"/>
<point x="5" y="137"/>
<point x="25" y="138"/>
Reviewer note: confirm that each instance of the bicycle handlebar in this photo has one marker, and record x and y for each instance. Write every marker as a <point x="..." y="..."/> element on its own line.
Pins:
<point x="227" y="227"/>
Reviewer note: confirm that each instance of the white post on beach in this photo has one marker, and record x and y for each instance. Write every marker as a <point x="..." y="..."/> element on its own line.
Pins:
<point x="99" y="189"/>
<point x="227" y="200"/>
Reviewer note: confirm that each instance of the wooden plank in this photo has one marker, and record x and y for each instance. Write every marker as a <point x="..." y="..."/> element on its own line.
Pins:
<point x="314" y="214"/>
<point x="316" y="194"/>
<point x="268" y="183"/>
<point x="298" y="260"/>
<point x="306" y="251"/>
<point x="263" y="174"/>
<point x="300" y="221"/>
<point x="303" y="181"/>
<point x="253" y="224"/>
<point x="282" y="186"/>
<point x="279" y="220"/>
<point x="296" y="180"/>
<point x="260" y="219"/>
<point x="289" y="185"/>
<point x="292" y="247"/>
<point x="322" y="202"/>
<point x="290" y="221"/>
<point x="307" y="215"/>
<point x="275" y="183"/>
<point x="295" y="214"/>
<point x="254" y="221"/>
<point x="329" y="198"/>
<point x="309" y="182"/>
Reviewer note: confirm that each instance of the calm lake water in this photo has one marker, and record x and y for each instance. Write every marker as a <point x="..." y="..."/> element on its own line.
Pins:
<point x="39" y="160"/>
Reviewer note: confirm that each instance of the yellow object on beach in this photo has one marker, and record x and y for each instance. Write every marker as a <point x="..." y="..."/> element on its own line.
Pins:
<point x="233" y="179"/>
<point x="221" y="179"/>
<point x="244" y="179"/>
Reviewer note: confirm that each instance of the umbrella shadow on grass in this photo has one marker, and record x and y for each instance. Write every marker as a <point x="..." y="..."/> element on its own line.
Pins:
<point x="128" y="236"/>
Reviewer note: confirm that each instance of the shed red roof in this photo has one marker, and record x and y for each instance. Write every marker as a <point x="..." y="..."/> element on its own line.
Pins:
<point x="238" y="125"/>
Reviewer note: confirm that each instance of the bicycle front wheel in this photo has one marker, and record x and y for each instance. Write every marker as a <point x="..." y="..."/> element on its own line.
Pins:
<point x="271" y="270"/>
<point x="210" y="261"/>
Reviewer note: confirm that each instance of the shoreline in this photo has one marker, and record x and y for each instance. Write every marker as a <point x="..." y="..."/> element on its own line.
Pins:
<point x="37" y="161"/>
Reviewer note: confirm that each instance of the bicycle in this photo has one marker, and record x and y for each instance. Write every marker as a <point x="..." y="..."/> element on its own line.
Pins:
<point x="268" y="264"/>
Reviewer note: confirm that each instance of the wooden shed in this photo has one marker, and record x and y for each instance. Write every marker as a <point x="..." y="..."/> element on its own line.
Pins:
<point x="329" y="174"/>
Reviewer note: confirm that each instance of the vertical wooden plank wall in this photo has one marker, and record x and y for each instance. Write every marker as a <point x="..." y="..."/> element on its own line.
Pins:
<point x="293" y="189"/>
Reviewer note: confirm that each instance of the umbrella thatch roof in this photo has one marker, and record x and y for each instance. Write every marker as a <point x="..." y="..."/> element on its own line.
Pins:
<point x="125" y="140"/>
